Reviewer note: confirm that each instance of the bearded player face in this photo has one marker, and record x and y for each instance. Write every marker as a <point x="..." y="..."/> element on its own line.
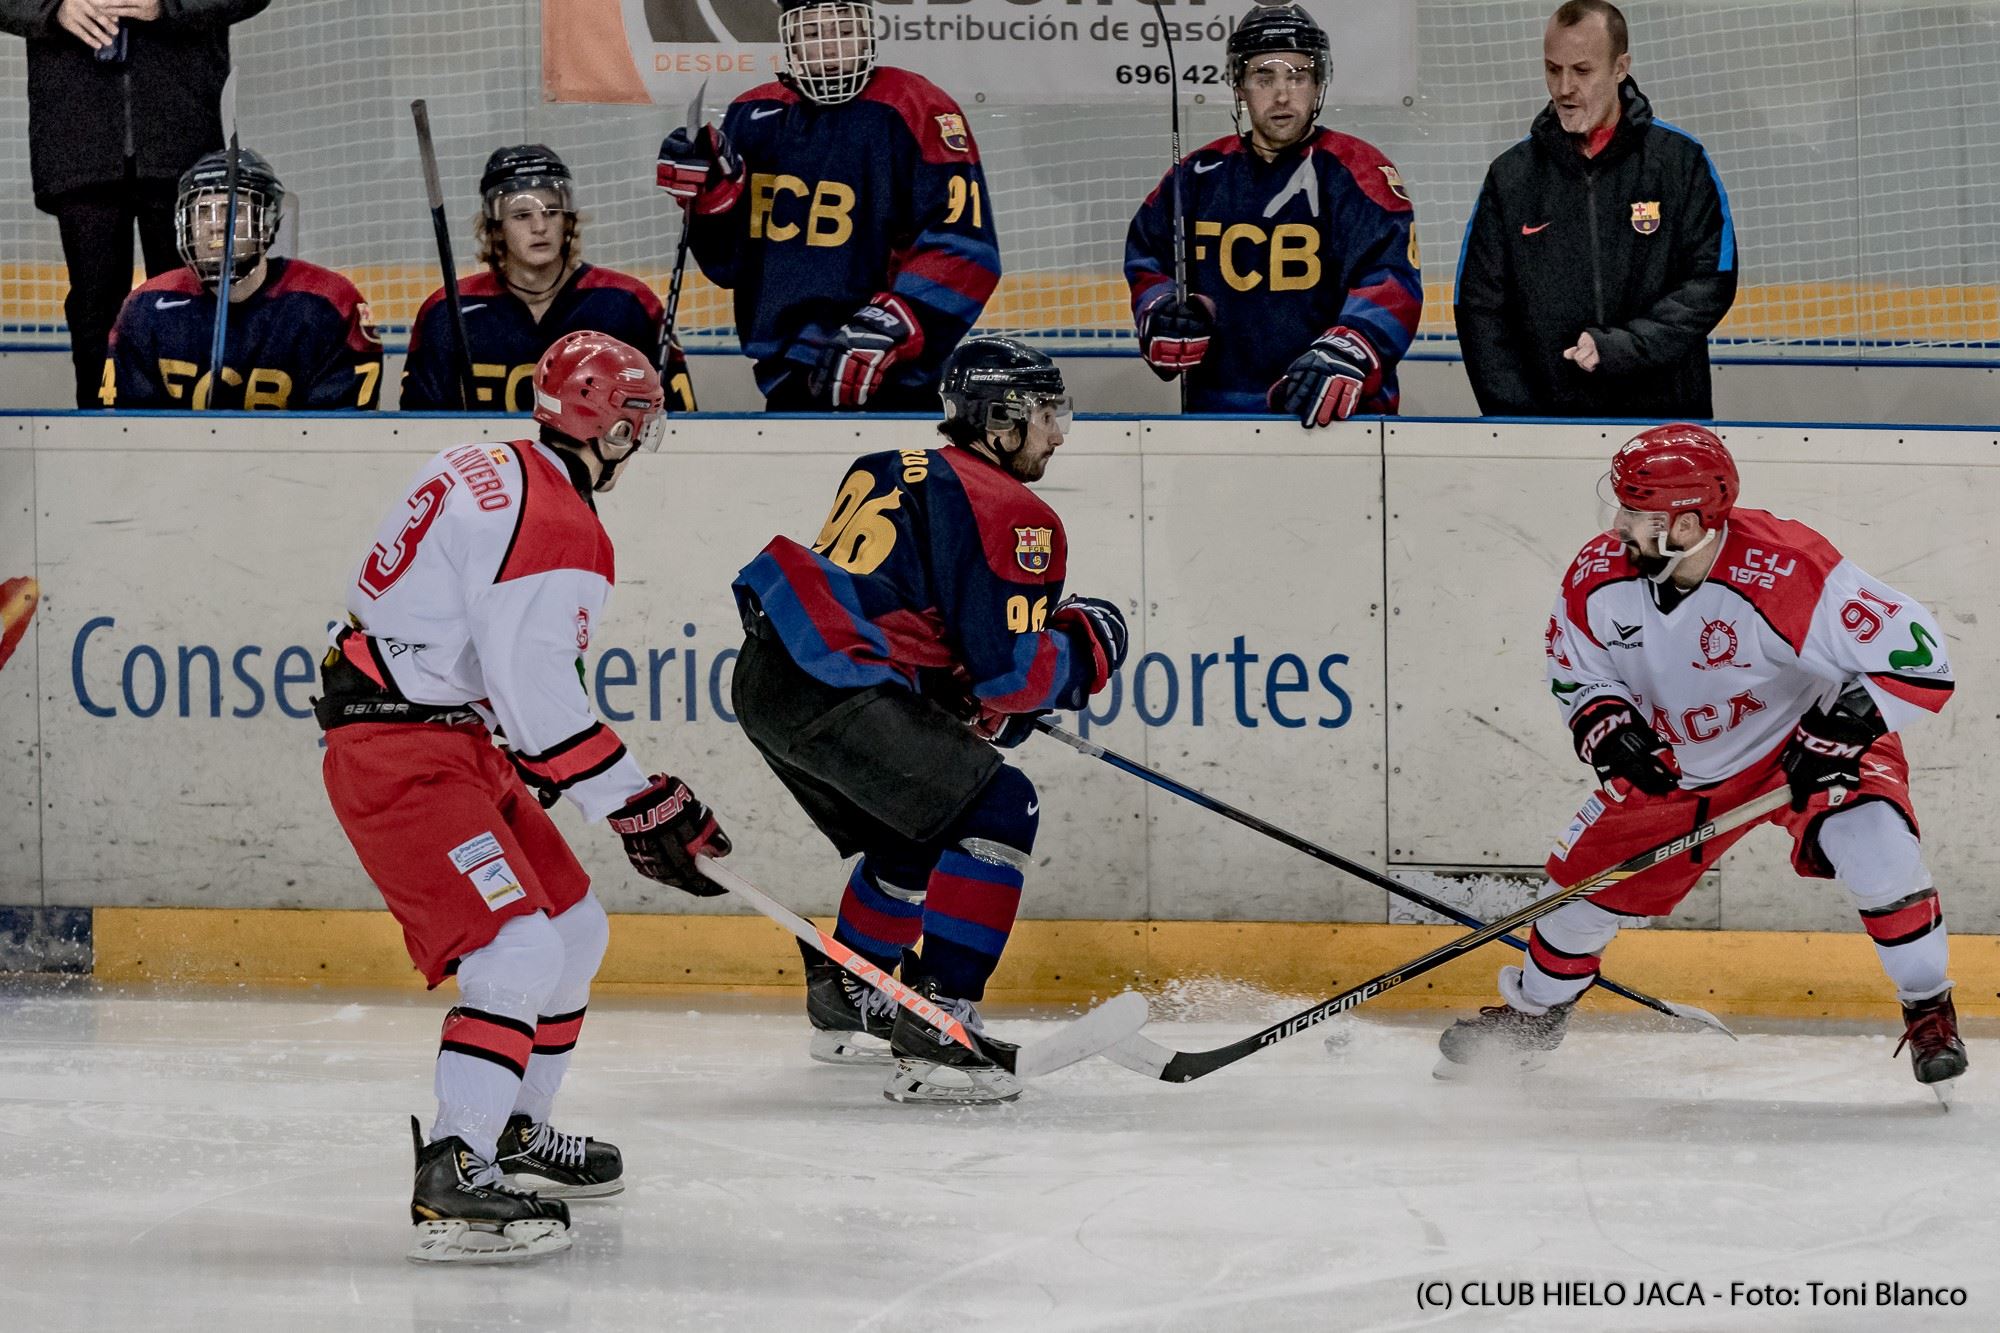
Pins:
<point x="1279" y="90"/>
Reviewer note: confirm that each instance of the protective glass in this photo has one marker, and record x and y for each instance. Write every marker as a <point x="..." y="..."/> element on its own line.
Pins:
<point x="1269" y="74"/>
<point x="524" y="198"/>
<point x="829" y="49"/>
<point x="1643" y="528"/>
<point x="1053" y="413"/>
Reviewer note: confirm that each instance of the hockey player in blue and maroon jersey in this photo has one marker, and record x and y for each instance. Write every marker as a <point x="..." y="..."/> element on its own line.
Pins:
<point x="1303" y="276"/>
<point x="300" y="337"/>
<point x="534" y="289"/>
<point x="925" y="621"/>
<point x="845" y="205"/>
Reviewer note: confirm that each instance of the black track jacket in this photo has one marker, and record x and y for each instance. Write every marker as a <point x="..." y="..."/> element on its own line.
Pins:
<point x="1635" y="246"/>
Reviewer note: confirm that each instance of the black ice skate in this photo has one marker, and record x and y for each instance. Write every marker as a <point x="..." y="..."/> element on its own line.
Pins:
<point x="933" y="1069"/>
<point x="557" y="1165"/>
<point x="1937" y="1056"/>
<point x="851" y="1020"/>
<point x="1501" y="1038"/>
<point x="466" y="1212"/>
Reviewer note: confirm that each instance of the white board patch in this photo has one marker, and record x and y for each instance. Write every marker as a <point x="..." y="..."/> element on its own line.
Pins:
<point x="497" y="884"/>
<point x="473" y="851"/>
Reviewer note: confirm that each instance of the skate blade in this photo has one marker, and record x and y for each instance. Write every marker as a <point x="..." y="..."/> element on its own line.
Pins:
<point x="921" y="1083"/>
<point x="550" y="1189"/>
<point x="849" y="1048"/>
<point x="1944" y="1089"/>
<point x="461" y="1242"/>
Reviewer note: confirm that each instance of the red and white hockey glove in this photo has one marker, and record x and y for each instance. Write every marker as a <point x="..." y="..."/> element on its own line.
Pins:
<point x="703" y="170"/>
<point x="1824" y="754"/>
<point x="1096" y="630"/>
<point x="1174" y="334"/>
<point x="665" y="827"/>
<point x="1612" y="739"/>
<point x="853" y="365"/>
<point x="1328" y="380"/>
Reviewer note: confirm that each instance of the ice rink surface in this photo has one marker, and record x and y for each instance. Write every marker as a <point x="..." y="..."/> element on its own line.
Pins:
<point x="217" y="1160"/>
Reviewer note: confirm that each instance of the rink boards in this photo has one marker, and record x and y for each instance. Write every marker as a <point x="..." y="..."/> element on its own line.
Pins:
<point x="1340" y="631"/>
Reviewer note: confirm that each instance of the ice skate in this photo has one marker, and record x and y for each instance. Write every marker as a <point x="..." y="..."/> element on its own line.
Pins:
<point x="557" y="1165"/>
<point x="1937" y="1056"/>
<point x="933" y="1069"/>
<point x="851" y="1020"/>
<point x="1501" y="1038"/>
<point x="466" y="1212"/>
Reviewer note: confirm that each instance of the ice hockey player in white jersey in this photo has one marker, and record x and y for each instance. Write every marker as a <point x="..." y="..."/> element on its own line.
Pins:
<point x="1704" y="654"/>
<point x="467" y="620"/>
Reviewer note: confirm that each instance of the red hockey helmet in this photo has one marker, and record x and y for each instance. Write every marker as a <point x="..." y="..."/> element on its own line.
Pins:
<point x="1674" y="469"/>
<point x="603" y="394"/>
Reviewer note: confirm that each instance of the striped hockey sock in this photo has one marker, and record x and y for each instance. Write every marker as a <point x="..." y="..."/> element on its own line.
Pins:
<point x="875" y="923"/>
<point x="1911" y="940"/>
<point x="555" y="1038"/>
<point x="481" y="1058"/>
<point x="968" y="914"/>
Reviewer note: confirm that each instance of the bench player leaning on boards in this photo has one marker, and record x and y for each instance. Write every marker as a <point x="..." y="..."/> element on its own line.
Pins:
<point x="1704" y="654"/>
<point x="845" y="205"/>
<point x="926" y="621"/>
<point x="468" y="618"/>
<point x="300" y="337"/>
<point x="535" y="287"/>
<point x="1303" y="276"/>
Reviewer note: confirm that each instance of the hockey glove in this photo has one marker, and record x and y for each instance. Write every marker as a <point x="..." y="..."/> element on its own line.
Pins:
<point x="665" y="827"/>
<point x="1097" y="632"/>
<point x="1824" y="754"/>
<point x="1611" y="739"/>
<point x="704" y="170"/>
<point x="852" y="367"/>
<point x="1329" y="380"/>
<point x="1174" y="334"/>
<point x="1007" y="730"/>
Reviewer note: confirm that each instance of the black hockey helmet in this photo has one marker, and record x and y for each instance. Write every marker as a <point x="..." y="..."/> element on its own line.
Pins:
<point x="518" y="169"/>
<point x="995" y="384"/>
<point x="829" y="47"/>
<point x="201" y="207"/>
<point x="1269" y="28"/>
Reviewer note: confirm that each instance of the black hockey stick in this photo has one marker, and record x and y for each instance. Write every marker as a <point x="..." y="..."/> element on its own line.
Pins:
<point x="433" y="187"/>
<point x="1148" y="1057"/>
<point x="1367" y="874"/>
<point x="225" y="280"/>
<point x="1117" y="1019"/>
<point x="1180" y="205"/>
<point x="681" y="247"/>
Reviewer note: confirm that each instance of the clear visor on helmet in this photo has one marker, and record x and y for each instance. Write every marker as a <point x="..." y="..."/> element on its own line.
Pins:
<point x="829" y="49"/>
<point x="1048" y="412"/>
<point x="1645" y="529"/>
<point x="525" y="200"/>
<point x="1273" y="72"/>
<point x="201" y="225"/>
<point x="625" y="439"/>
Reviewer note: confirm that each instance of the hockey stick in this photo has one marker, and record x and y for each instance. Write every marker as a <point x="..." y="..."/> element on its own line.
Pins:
<point x="1116" y="1019"/>
<point x="1688" y="1012"/>
<point x="681" y="247"/>
<point x="1180" y="205"/>
<point x="1148" y="1057"/>
<point x="420" y="112"/>
<point x="225" y="283"/>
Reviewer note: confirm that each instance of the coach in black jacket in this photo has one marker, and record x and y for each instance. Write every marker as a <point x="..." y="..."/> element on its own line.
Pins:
<point x="123" y="96"/>
<point x="1601" y="251"/>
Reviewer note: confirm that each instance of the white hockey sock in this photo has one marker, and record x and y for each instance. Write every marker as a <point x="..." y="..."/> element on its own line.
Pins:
<point x="1881" y="864"/>
<point x="1562" y="958"/>
<point x="585" y="932"/>
<point x="487" y="1038"/>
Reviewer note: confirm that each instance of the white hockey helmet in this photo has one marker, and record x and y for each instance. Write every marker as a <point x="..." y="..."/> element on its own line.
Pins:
<point x="829" y="47"/>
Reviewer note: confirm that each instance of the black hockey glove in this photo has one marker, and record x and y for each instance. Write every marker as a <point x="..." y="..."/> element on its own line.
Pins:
<point x="1096" y="629"/>
<point x="853" y="365"/>
<point x="665" y="827"/>
<point x="703" y="170"/>
<point x="1611" y="739"/>
<point x="1328" y="380"/>
<point x="1824" y="754"/>
<point x="1174" y="334"/>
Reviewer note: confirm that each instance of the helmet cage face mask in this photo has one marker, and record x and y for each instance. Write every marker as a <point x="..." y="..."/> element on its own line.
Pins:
<point x="829" y="49"/>
<point x="201" y="221"/>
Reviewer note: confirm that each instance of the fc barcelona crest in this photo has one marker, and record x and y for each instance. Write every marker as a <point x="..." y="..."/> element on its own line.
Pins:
<point x="951" y="129"/>
<point x="1646" y="217"/>
<point x="1394" y="180"/>
<point x="1034" y="548"/>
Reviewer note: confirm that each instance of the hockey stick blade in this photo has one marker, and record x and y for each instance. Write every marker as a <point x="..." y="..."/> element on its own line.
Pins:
<point x="1116" y="1019"/>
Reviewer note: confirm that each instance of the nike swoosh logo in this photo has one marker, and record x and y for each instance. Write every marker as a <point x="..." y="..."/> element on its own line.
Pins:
<point x="164" y="304"/>
<point x="766" y="112"/>
<point x="468" y="309"/>
<point x="1526" y="230"/>
<point x="1203" y="168"/>
<point x="1034" y="806"/>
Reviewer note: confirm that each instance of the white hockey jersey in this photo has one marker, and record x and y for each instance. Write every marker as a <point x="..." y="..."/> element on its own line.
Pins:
<point x="1782" y="622"/>
<point x="483" y="588"/>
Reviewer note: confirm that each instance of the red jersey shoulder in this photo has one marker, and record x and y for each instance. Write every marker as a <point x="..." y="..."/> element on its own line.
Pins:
<point x="593" y="278"/>
<point x="1602" y="561"/>
<point x="554" y="529"/>
<point x="934" y="119"/>
<point x="1779" y="566"/>
<point x="1023" y="539"/>
<point x="1365" y="164"/>
<point x="177" y="282"/>
<point x="299" y="276"/>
